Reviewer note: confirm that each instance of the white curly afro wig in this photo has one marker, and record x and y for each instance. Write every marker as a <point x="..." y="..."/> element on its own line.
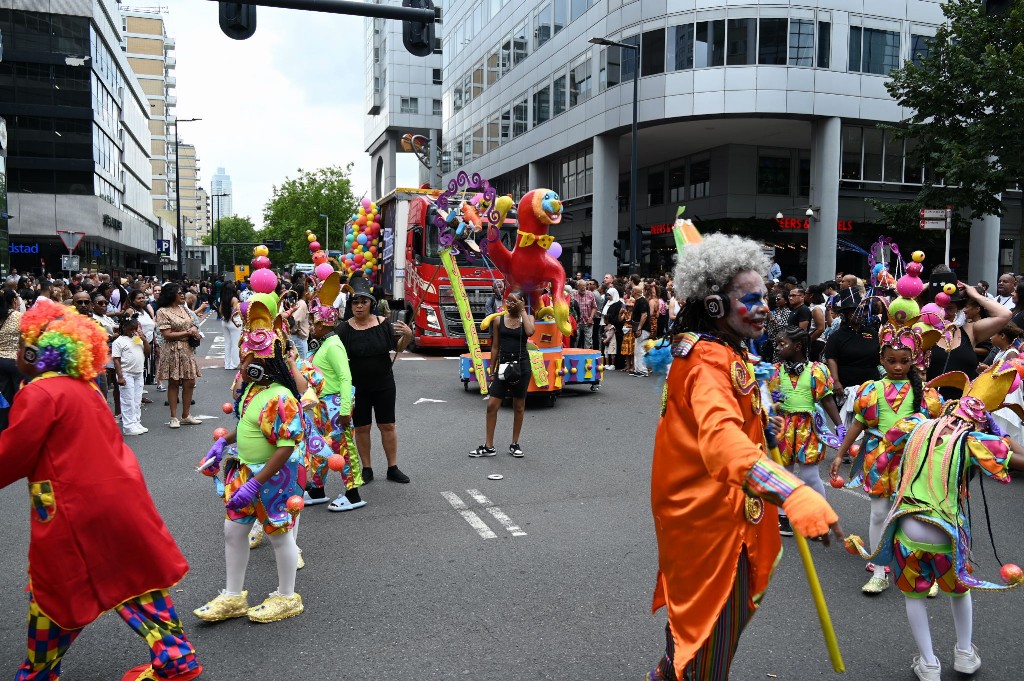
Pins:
<point x="714" y="262"/>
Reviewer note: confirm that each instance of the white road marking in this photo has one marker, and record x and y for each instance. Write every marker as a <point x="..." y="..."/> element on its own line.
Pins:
<point x="498" y="514"/>
<point x="472" y="518"/>
<point x="217" y="344"/>
<point x="424" y="400"/>
<point x="413" y="359"/>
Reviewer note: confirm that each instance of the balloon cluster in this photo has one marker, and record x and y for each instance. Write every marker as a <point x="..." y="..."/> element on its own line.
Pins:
<point x="362" y="242"/>
<point x="262" y="279"/>
<point x="322" y="267"/>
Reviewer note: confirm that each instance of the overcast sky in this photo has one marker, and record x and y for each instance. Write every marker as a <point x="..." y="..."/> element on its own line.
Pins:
<point x="290" y="97"/>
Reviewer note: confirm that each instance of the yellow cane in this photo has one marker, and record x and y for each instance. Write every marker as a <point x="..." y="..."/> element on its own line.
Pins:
<point x="831" y="642"/>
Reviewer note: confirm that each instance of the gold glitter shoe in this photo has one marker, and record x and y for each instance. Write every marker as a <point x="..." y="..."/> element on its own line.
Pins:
<point x="301" y="564"/>
<point x="276" y="607"/>
<point x="223" y="607"/>
<point x="933" y="590"/>
<point x="876" y="585"/>
<point x="256" y="535"/>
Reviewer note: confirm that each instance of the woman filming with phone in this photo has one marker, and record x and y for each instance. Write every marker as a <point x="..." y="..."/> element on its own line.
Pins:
<point x="509" y="372"/>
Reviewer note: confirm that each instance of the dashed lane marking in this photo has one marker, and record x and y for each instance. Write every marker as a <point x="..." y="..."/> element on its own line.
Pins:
<point x="497" y="513"/>
<point x="470" y="517"/>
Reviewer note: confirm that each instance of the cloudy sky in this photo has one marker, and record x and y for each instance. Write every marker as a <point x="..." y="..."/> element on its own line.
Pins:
<point x="290" y="97"/>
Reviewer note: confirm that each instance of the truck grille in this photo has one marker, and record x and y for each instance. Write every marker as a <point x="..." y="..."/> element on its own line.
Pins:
<point x="450" y="312"/>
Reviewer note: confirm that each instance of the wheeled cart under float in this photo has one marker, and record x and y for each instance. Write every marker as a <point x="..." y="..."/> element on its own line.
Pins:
<point x="552" y="366"/>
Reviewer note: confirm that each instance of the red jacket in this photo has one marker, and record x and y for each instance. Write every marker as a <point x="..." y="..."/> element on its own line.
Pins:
<point x="97" y="539"/>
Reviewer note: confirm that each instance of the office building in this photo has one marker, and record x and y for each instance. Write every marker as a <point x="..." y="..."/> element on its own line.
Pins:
<point x="745" y="111"/>
<point x="220" y="194"/>
<point x="79" y="140"/>
<point x="193" y="197"/>
<point x="403" y="97"/>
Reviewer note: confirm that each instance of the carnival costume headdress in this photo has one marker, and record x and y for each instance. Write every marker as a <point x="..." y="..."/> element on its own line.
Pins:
<point x="985" y="394"/>
<point x="908" y="326"/>
<point x="65" y="342"/>
<point x="264" y="331"/>
<point x="327" y="282"/>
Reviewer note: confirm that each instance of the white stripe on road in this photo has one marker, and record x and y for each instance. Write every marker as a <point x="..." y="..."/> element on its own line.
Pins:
<point x="217" y="344"/>
<point x="498" y="514"/>
<point x="472" y="518"/>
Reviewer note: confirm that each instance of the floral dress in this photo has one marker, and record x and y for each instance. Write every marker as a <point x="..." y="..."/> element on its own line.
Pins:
<point x="177" y="358"/>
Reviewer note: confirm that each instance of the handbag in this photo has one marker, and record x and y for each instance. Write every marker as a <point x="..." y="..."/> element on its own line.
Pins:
<point x="509" y="372"/>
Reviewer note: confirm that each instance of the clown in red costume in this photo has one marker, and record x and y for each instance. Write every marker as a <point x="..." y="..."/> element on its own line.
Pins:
<point x="97" y="541"/>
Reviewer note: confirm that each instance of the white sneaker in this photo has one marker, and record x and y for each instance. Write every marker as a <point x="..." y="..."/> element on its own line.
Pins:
<point x="964" y="662"/>
<point x="174" y="423"/>
<point x="926" y="672"/>
<point x="135" y="430"/>
<point x="313" y="501"/>
<point x="191" y="421"/>
<point x="343" y="504"/>
<point x="161" y="388"/>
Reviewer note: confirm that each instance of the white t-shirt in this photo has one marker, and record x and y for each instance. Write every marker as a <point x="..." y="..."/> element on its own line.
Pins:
<point x="110" y="327"/>
<point x="131" y="354"/>
<point x="147" y="325"/>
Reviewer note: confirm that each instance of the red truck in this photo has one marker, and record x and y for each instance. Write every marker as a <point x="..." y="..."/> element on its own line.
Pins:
<point x="413" y="278"/>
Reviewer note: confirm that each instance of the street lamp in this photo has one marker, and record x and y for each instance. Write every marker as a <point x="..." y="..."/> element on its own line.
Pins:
<point x="177" y="194"/>
<point x="327" y="236"/>
<point x="216" y="228"/>
<point x="634" y="237"/>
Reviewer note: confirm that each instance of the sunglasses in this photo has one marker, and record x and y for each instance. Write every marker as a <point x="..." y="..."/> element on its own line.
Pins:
<point x="99" y="301"/>
<point x="82" y="302"/>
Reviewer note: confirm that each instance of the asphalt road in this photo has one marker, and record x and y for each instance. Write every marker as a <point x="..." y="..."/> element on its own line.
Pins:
<point x="554" y="581"/>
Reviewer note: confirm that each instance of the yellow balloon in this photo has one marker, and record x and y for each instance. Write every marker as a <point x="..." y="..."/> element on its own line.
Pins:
<point x="311" y="238"/>
<point x="917" y="256"/>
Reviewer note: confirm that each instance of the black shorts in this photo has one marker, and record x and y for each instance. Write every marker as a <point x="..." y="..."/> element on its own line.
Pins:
<point x="376" y="404"/>
<point x="502" y="389"/>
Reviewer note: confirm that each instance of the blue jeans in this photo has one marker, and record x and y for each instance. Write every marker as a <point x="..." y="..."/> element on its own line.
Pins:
<point x="300" y="345"/>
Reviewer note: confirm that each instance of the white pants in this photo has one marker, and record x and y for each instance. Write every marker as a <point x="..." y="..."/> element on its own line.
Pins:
<point x="231" y="336"/>
<point x="638" y="351"/>
<point x="131" y="401"/>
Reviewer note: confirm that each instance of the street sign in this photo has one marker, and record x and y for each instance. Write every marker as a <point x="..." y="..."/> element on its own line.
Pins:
<point x="163" y="247"/>
<point x="933" y="213"/>
<point x="241" y="272"/>
<point x="69" y="263"/>
<point x="934" y="224"/>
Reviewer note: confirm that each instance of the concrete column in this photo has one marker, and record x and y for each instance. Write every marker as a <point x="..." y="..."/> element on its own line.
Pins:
<point x="605" y="223"/>
<point x="825" y="160"/>
<point x="984" y="260"/>
<point x="389" y="153"/>
<point x="435" y="159"/>
<point x="538" y="176"/>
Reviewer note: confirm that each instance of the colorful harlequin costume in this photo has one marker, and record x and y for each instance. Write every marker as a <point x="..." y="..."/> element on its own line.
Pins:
<point x="97" y="541"/>
<point x="799" y="389"/>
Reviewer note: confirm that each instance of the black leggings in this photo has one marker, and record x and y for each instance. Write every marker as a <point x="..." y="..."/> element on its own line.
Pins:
<point x="377" y="402"/>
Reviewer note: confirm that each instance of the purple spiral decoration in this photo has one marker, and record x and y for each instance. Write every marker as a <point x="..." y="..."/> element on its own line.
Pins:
<point x="445" y="234"/>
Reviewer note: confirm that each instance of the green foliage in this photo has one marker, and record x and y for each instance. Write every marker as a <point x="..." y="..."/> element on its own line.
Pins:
<point x="296" y="205"/>
<point x="967" y="99"/>
<point x="233" y="230"/>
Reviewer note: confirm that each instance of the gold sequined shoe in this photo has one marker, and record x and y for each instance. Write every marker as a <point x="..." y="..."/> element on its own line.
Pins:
<point x="223" y="607"/>
<point x="933" y="590"/>
<point x="276" y="607"/>
<point x="256" y="535"/>
<point x="301" y="564"/>
<point x="876" y="585"/>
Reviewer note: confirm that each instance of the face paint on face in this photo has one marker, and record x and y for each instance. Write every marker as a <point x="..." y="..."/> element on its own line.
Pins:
<point x="751" y="302"/>
<point x="748" y="311"/>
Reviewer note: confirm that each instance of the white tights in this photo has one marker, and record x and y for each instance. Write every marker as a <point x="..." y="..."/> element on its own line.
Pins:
<point x="880" y="507"/>
<point x="917" y="610"/>
<point x="809" y="476"/>
<point x="236" y="557"/>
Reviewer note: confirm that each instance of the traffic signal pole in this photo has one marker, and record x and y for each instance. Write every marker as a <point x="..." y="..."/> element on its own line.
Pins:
<point x="359" y="9"/>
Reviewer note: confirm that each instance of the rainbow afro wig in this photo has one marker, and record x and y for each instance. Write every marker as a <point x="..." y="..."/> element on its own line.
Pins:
<point x="69" y="343"/>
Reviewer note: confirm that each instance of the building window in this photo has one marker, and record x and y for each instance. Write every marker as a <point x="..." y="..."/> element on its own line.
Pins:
<point x="653" y="49"/>
<point x="577" y="8"/>
<point x="801" y="42"/>
<point x="457" y="98"/>
<point x="852" y="137"/>
<point x="772" y="46"/>
<point x="561" y="8"/>
<point x="623" y="194"/>
<point x="742" y="42"/>
<point x="805" y="174"/>
<point x="436" y="107"/>
<point x="911" y="173"/>
<point x="493" y="67"/>
<point x="477" y="82"/>
<point x="920" y="47"/>
<point x="680" y="47"/>
<point x="824" y="43"/>
<point x="872" y="171"/>
<point x="558" y="94"/>
<point x="656" y="187"/>
<point x="576" y="174"/>
<point x="506" y="125"/>
<point x="700" y="179"/>
<point x="436" y="76"/>
<point x="410" y="105"/>
<point x="478" y="142"/>
<point x="467" y="88"/>
<point x="709" y="44"/>
<point x="628" y="58"/>
<point x="608" y="75"/>
<point x="521" y="44"/>
<point x="677" y="184"/>
<point x="542" y="26"/>
<point x="579" y="80"/>
<point x="520" y="115"/>
<point x="773" y="174"/>
<point x="541" y="104"/>
<point x="893" y="166"/>
<point x="493" y="133"/>
<point x="506" y="54"/>
<point x="874" y="51"/>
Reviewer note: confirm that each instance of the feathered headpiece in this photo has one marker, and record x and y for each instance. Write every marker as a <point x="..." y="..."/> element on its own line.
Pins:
<point x="909" y="327"/>
<point x="66" y="342"/>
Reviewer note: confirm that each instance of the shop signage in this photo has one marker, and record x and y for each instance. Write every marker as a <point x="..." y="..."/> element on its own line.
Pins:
<point x="23" y="248"/>
<point x="805" y="224"/>
<point x="663" y="228"/>
<point x="112" y="222"/>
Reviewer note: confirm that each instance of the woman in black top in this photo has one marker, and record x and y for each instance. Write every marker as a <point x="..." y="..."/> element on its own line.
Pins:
<point x="851" y="352"/>
<point x="508" y="346"/>
<point x="369" y="341"/>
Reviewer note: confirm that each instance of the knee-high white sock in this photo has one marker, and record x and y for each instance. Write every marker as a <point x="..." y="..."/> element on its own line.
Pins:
<point x="917" y="615"/>
<point x="236" y="555"/>
<point x="963" y="620"/>
<point x="811" y="478"/>
<point x="880" y="507"/>
<point x="286" y="553"/>
<point x="295" y="528"/>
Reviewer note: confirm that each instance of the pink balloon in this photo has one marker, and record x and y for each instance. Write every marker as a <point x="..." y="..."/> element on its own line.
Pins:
<point x="260" y="262"/>
<point x="314" y="246"/>
<point x="366" y="203"/>
<point x="263" y="281"/>
<point x="324" y="270"/>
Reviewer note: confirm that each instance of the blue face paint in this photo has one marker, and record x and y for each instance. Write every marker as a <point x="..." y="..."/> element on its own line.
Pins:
<point x="751" y="301"/>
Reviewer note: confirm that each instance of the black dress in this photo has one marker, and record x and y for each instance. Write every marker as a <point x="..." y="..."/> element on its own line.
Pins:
<point x="961" y="358"/>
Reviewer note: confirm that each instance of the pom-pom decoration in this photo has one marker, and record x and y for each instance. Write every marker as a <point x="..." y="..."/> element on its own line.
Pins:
<point x="851" y="543"/>
<point x="263" y="281"/>
<point x="903" y="309"/>
<point x="949" y="289"/>
<point x="933" y="315"/>
<point x="319" y="258"/>
<point x="311" y="238"/>
<point x="218" y="433"/>
<point x="909" y="285"/>
<point x="314" y="246"/>
<point x="260" y="262"/>
<point x="261" y="250"/>
<point x="942" y="299"/>
<point x="917" y="256"/>
<point x="295" y="504"/>
<point x="915" y="269"/>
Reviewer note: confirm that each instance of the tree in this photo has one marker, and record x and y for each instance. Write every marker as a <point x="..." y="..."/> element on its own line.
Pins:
<point x="233" y="230"/>
<point x="967" y="99"/>
<point x="296" y="205"/>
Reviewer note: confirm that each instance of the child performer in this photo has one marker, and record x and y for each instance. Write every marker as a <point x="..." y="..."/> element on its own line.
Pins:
<point x="129" y="351"/>
<point x="927" y="536"/>
<point x="265" y="470"/>
<point x="797" y="389"/>
<point x="879" y="405"/>
<point x="97" y="541"/>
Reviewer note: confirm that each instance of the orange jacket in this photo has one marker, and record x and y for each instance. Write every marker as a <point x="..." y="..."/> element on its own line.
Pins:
<point x="711" y="433"/>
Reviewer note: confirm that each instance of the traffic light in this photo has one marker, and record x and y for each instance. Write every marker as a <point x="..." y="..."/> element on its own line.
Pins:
<point x="274" y="244"/>
<point x="644" y="251"/>
<point x="996" y="8"/>
<point x="237" y="20"/>
<point x="620" y="250"/>
<point x="418" y="36"/>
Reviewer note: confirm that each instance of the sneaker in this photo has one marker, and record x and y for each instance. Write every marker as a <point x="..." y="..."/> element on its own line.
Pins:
<point x="367" y="474"/>
<point x="926" y="672"/>
<point x="933" y="590"/>
<point x="135" y="430"/>
<point x="160" y="387"/>
<point x="343" y="504"/>
<point x="395" y="475"/>
<point x="224" y="607"/>
<point x="964" y="662"/>
<point x="482" y="450"/>
<point x="515" y="450"/>
<point x="847" y="459"/>
<point x="191" y="421"/>
<point x="174" y="423"/>
<point x="301" y="563"/>
<point x="785" y="529"/>
<point x="143" y="430"/>
<point x="315" y="500"/>
<point x="276" y="607"/>
<point x="876" y="585"/>
<point x="256" y="535"/>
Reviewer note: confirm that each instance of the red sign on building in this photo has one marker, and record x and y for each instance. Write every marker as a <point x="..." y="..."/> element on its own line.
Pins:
<point x="805" y="224"/>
